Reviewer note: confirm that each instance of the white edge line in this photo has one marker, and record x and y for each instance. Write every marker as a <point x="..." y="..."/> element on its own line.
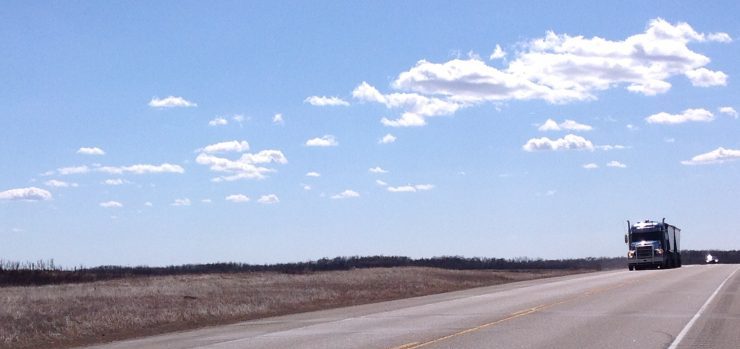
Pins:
<point x="688" y="326"/>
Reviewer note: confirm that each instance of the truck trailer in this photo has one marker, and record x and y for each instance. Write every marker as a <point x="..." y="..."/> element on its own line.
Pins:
<point x="653" y="245"/>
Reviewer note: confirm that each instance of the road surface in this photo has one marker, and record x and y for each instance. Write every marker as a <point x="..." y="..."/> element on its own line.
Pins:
<point x="690" y="307"/>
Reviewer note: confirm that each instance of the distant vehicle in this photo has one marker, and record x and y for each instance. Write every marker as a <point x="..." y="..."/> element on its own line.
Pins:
<point x="711" y="259"/>
<point x="653" y="245"/>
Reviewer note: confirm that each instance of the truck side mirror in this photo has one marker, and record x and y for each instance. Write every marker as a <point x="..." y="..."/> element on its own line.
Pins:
<point x="625" y="238"/>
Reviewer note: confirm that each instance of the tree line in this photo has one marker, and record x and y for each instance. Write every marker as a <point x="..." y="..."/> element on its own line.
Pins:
<point x="47" y="272"/>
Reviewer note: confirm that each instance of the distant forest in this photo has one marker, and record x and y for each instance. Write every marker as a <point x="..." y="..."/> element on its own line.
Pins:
<point x="46" y="272"/>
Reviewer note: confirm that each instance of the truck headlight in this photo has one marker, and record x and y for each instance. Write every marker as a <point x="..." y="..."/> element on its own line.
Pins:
<point x="658" y="251"/>
<point x="631" y="254"/>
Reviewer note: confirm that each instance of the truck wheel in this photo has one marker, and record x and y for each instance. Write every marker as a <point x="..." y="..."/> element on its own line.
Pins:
<point x="679" y="260"/>
<point x="631" y="268"/>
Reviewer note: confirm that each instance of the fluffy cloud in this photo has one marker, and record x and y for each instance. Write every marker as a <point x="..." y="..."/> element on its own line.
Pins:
<point x="218" y="121"/>
<point x="569" y="142"/>
<point x="557" y="68"/>
<point x="224" y="147"/>
<point x="90" y="151"/>
<point x="142" y="169"/>
<point x="410" y="188"/>
<point x="247" y="166"/>
<point x="59" y="184"/>
<point x="268" y="199"/>
<point x="377" y="169"/>
<point x="325" y="101"/>
<point x="728" y="111"/>
<point x="111" y="204"/>
<point x="73" y="170"/>
<point x="313" y="174"/>
<point x="590" y="166"/>
<point x="687" y="115"/>
<point x="278" y="119"/>
<point x="610" y="147"/>
<point x="497" y="53"/>
<point x="569" y="125"/>
<point x="387" y="139"/>
<point x="325" y="141"/>
<point x="615" y="164"/>
<point x="181" y="202"/>
<point x="115" y="181"/>
<point x="171" y="102"/>
<point x="381" y="183"/>
<point x="415" y="106"/>
<point x="237" y="198"/>
<point x="717" y="156"/>
<point x="704" y="77"/>
<point x="347" y="194"/>
<point x="25" y="194"/>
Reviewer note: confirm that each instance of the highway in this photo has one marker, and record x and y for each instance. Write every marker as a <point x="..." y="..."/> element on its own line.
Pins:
<point x="690" y="307"/>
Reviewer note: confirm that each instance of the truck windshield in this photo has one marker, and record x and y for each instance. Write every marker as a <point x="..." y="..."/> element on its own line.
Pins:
<point x="649" y="236"/>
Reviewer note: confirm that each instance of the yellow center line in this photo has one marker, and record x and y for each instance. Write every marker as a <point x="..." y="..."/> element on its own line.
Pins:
<point x="515" y="315"/>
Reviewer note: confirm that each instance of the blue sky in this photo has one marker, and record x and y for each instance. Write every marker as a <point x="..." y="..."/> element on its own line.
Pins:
<point x="185" y="132"/>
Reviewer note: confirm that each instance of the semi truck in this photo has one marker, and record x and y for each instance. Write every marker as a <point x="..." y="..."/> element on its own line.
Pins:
<point x="653" y="245"/>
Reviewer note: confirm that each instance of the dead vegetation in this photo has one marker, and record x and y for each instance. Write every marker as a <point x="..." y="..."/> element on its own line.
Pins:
<point x="74" y="314"/>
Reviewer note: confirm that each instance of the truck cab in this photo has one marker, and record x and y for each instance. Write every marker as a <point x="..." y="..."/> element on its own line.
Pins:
<point x="653" y="245"/>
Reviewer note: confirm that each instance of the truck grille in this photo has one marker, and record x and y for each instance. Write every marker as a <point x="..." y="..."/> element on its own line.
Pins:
<point x="644" y="252"/>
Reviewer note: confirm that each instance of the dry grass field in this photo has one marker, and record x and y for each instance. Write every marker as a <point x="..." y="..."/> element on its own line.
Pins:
<point x="76" y="314"/>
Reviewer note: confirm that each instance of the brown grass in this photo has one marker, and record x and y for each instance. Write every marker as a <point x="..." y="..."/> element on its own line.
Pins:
<point x="75" y="314"/>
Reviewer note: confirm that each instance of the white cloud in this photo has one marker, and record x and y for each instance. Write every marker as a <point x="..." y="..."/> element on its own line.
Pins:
<point x="590" y="166"/>
<point x="701" y="115"/>
<point x="142" y="169"/>
<point x="181" y="202"/>
<point x="550" y="192"/>
<point x="381" y="183"/>
<point x="237" y="198"/>
<point x="325" y="141"/>
<point x="632" y="127"/>
<point x="111" y="204"/>
<point x="728" y="111"/>
<point x="59" y="184"/>
<point x="615" y="164"/>
<point x="497" y="53"/>
<point x="377" y="169"/>
<point x="171" y="102"/>
<point x="115" y="181"/>
<point x="719" y="37"/>
<point x="387" y="139"/>
<point x="73" y="170"/>
<point x="148" y="204"/>
<point x="278" y="119"/>
<point x="415" y="106"/>
<point x="90" y="151"/>
<point x="248" y="166"/>
<point x="704" y="77"/>
<point x="347" y="194"/>
<point x="313" y="174"/>
<point x="669" y="140"/>
<point x="569" y="142"/>
<point x="25" y="194"/>
<point x="717" y="156"/>
<point x="325" y="101"/>
<point x="306" y="187"/>
<point x="218" y="121"/>
<point x="557" y="68"/>
<point x="268" y="199"/>
<point x="207" y="201"/>
<point x="224" y="147"/>
<point x="410" y="188"/>
<point x="611" y="147"/>
<point x="569" y="125"/>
